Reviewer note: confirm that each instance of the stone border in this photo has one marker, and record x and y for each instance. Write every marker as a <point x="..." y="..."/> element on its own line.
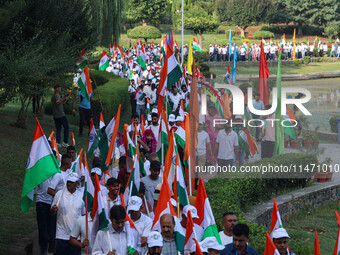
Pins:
<point x="289" y="204"/>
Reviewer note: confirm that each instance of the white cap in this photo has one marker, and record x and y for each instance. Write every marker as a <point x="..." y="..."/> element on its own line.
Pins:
<point x="134" y="203"/>
<point x="238" y="117"/>
<point x="210" y="243"/>
<point x="154" y="110"/>
<point x="173" y="202"/>
<point x="192" y="209"/>
<point x="179" y="118"/>
<point x="72" y="177"/>
<point x="155" y="239"/>
<point x="172" y="118"/>
<point x="279" y="233"/>
<point x="149" y="117"/>
<point x="96" y="170"/>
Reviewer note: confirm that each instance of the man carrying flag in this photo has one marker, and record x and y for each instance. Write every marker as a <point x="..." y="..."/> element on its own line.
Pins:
<point x="280" y="239"/>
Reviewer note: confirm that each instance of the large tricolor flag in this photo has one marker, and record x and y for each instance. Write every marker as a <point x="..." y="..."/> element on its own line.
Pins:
<point x="170" y="72"/>
<point x="41" y="165"/>
<point x="164" y="206"/>
<point x="100" y="219"/>
<point x="93" y="140"/>
<point x="104" y="61"/>
<point x="84" y="83"/>
<point x="248" y="141"/>
<point x="196" y="45"/>
<point x="206" y="218"/>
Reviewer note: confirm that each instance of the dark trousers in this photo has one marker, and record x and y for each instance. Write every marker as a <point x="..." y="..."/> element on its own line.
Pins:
<point x="133" y="103"/>
<point x="225" y="162"/>
<point x="53" y="228"/>
<point x="267" y="149"/>
<point x="61" y="122"/>
<point x="43" y="220"/>
<point x="84" y="116"/>
<point x="63" y="247"/>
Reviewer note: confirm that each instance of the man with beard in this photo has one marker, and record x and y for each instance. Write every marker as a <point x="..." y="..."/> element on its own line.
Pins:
<point x="167" y="222"/>
<point x="229" y="220"/>
<point x="240" y="240"/>
<point x="229" y="146"/>
<point x="155" y="243"/>
<point x="154" y="125"/>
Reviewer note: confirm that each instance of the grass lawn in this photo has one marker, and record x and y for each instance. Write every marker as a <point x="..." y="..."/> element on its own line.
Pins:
<point x="323" y="220"/>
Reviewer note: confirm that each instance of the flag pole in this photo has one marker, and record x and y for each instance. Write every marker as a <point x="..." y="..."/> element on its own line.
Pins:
<point x="146" y="205"/>
<point x="108" y="236"/>
<point x="87" y="223"/>
<point x="178" y="207"/>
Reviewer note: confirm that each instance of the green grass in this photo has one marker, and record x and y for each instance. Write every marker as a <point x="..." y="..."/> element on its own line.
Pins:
<point x="302" y="226"/>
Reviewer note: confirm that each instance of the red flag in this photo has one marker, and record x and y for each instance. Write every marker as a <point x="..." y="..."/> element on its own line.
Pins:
<point x="316" y="244"/>
<point x="198" y="248"/>
<point x="270" y="248"/>
<point x="263" y="77"/>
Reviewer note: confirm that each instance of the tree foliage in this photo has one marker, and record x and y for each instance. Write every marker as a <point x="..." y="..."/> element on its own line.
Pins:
<point x="151" y="11"/>
<point x="244" y="12"/>
<point x="145" y="32"/>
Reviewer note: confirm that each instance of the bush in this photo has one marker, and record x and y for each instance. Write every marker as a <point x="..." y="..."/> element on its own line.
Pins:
<point x="331" y="31"/>
<point x="289" y="29"/>
<point x="227" y="33"/>
<point x="319" y="59"/>
<point x="297" y="62"/>
<point x="201" y="57"/>
<point x="306" y="60"/>
<point x="334" y="124"/>
<point x="204" y="68"/>
<point x="146" y="32"/>
<point x="264" y="34"/>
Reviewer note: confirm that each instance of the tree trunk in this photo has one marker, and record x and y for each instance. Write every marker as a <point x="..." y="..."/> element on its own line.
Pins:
<point x="200" y="42"/>
<point x="299" y="32"/>
<point x="22" y="116"/>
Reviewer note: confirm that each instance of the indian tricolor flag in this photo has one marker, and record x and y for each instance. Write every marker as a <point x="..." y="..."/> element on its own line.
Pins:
<point x="180" y="190"/>
<point x="133" y="183"/>
<point x="54" y="146"/>
<point x="196" y="45"/>
<point x="276" y="218"/>
<point x="170" y="73"/>
<point x="93" y="140"/>
<point x="283" y="43"/>
<point x="41" y="165"/>
<point x="132" y="232"/>
<point x="248" y="141"/>
<point x="104" y="61"/>
<point x="84" y="83"/>
<point x="169" y="162"/>
<point x="127" y="141"/>
<point x="270" y="248"/>
<point x="206" y="218"/>
<point x="88" y="186"/>
<point x="164" y="206"/>
<point x="100" y="219"/>
<point x="162" y="141"/>
<point x="190" y="235"/>
<point x="112" y="137"/>
<point x="180" y="135"/>
<point x="101" y="121"/>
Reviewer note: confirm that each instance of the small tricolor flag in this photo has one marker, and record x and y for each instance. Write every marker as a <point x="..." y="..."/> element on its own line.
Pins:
<point x="196" y="45"/>
<point x="93" y="140"/>
<point x="104" y="61"/>
<point x="84" y="83"/>
<point x="101" y="121"/>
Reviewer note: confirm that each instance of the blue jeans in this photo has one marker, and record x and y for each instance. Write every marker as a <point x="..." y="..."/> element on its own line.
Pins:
<point x="43" y="220"/>
<point x="61" y="122"/>
<point x="63" y="247"/>
<point x="241" y="158"/>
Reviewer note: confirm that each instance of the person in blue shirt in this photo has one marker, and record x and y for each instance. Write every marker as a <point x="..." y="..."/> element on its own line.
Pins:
<point x="240" y="240"/>
<point x="84" y="110"/>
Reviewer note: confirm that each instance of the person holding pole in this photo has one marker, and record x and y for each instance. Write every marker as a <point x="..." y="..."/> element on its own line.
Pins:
<point x="142" y="222"/>
<point x="68" y="204"/>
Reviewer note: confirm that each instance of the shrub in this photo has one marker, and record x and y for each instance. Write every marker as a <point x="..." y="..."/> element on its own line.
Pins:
<point x="306" y="60"/>
<point x="297" y="62"/>
<point x="201" y="57"/>
<point x="334" y="124"/>
<point x="227" y="33"/>
<point x="331" y="31"/>
<point x="204" y="68"/>
<point x="146" y="32"/>
<point x="264" y="34"/>
<point x="319" y="59"/>
<point x="289" y="29"/>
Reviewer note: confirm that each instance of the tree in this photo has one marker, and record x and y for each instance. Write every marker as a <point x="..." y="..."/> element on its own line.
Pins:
<point x="41" y="52"/>
<point x="198" y="20"/>
<point x="151" y="11"/>
<point x="145" y="32"/>
<point x="244" y="12"/>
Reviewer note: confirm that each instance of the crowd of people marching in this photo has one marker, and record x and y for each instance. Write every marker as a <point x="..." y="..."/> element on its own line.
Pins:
<point x="251" y="52"/>
<point x="155" y="200"/>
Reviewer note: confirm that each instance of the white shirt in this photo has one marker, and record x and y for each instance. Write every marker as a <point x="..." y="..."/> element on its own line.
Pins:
<point x="79" y="229"/>
<point x="118" y="242"/>
<point x="41" y="191"/>
<point x="226" y="144"/>
<point x="175" y="99"/>
<point x="203" y="139"/>
<point x="147" y="167"/>
<point x="70" y="208"/>
<point x="155" y="130"/>
<point x="225" y="239"/>
<point x="143" y="226"/>
<point x="58" y="180"/>
<point x="109" y="203"/>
